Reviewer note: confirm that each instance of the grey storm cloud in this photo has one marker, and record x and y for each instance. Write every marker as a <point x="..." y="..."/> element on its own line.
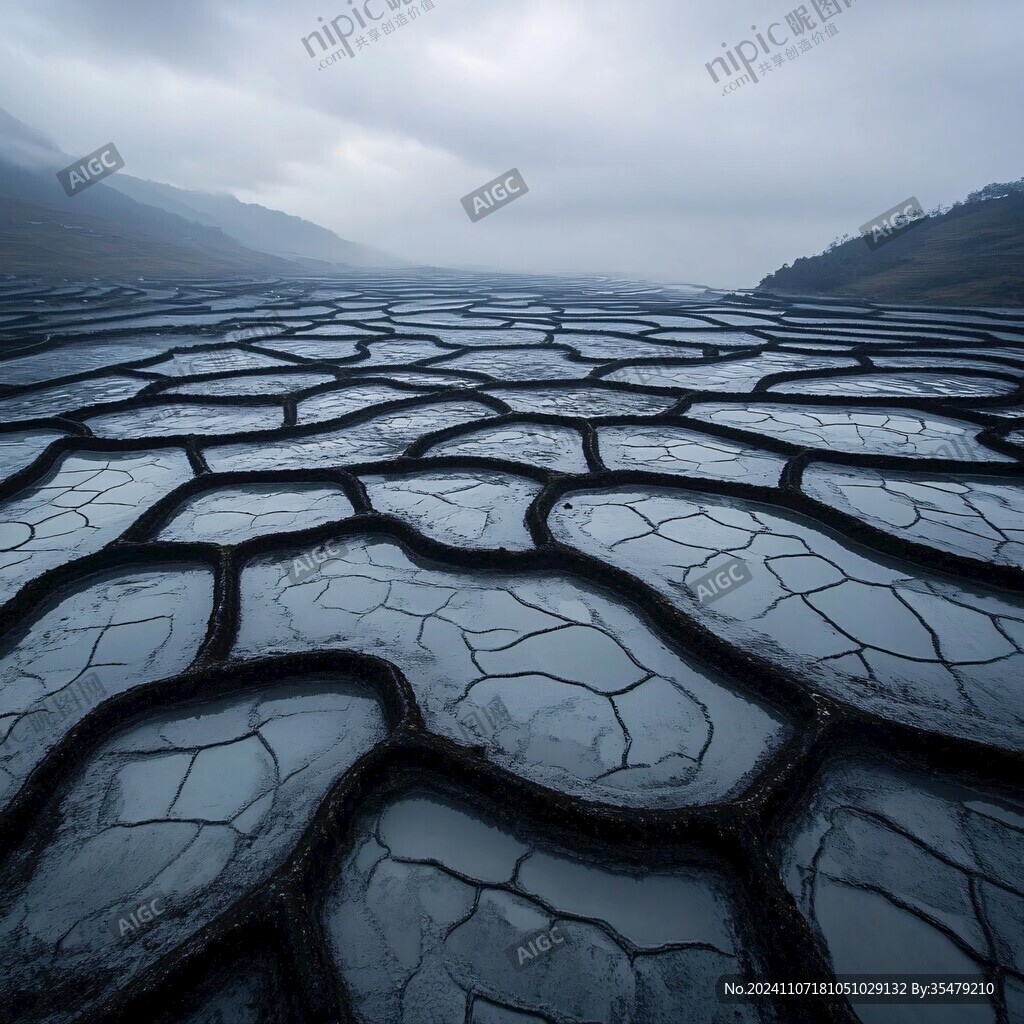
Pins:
<point x="637" y="163"/>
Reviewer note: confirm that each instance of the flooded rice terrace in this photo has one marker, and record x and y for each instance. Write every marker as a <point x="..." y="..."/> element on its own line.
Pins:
<point x="448" y="648"/>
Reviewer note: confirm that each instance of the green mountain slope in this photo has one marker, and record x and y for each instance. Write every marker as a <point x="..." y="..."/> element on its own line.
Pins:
<point x="254" y="226"/>
<point x="39" y="240"/>
<point x="972" y="254"/>
<point x="105" y="232"/>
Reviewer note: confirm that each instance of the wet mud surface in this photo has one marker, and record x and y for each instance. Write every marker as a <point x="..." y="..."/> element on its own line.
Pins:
<point x="447" y="648"/>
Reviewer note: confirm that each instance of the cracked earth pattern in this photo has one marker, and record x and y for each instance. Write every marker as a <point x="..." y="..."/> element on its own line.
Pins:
<point x="437" y="647"/>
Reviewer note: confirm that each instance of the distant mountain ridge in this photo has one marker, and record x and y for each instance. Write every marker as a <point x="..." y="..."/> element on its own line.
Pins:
<point x="970" y="254"/>
<point x="255" y="227"/>
<point x="142" y="228"/>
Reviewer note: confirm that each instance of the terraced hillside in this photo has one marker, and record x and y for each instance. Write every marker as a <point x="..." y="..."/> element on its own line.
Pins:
<point x="428" y="647"/>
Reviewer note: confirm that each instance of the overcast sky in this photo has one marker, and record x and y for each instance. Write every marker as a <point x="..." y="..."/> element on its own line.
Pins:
<point x="637" y="163"/>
